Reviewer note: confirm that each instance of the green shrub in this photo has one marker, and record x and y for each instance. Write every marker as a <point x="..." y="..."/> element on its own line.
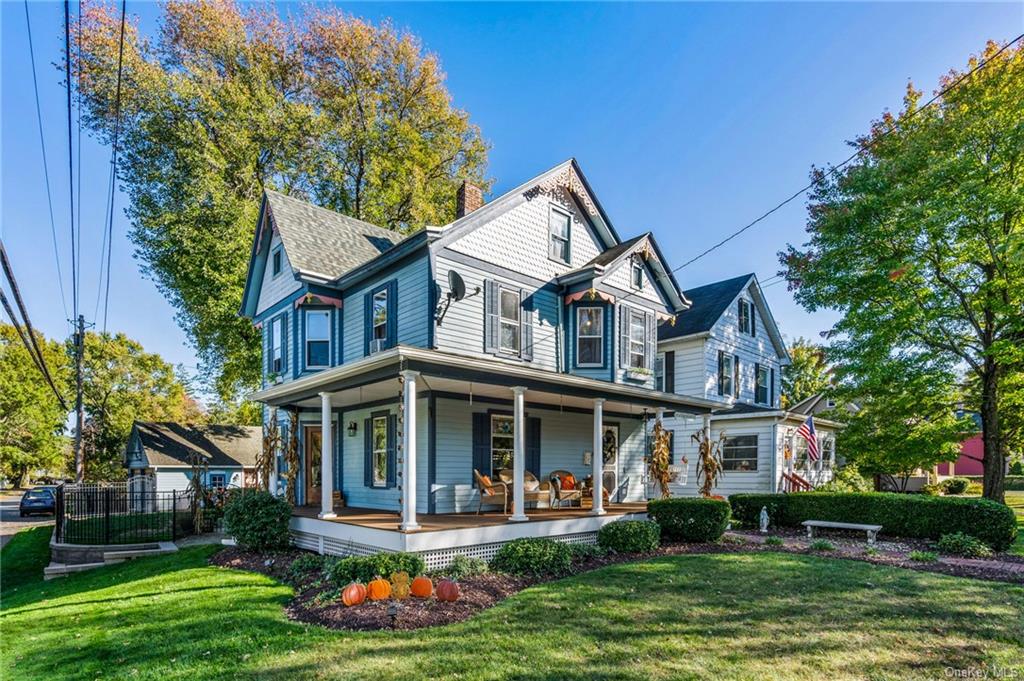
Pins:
<point x="1012" y="483"/>
<point x="974" y="488"/>
<point x="464" y="566"/>
<point x="365" y="568"/>
<point x="872" y="551"/>
<point x="955" y="485"/>
<point x="846" y="479"/>
<point x="961" y="544"/>
<point x="933" y="489"/>
<point x="1016" y="468"/>
<point x="900" y="515"/>
<point x="923" y="556"/>
<point x="258" y="520"/>
<point x="689" y="519"/>
<point x="774" y="541"/>
<point x="304" y="565"/>
<point x="534" y="556"/>
<point x="821" y="545"/>
<point x="630" y="536"/>
<point x="585" y="551"/>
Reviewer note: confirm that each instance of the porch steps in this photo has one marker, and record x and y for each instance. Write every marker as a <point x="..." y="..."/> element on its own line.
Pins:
<point x="113" y="557"/>
<point x="54" y="570"/>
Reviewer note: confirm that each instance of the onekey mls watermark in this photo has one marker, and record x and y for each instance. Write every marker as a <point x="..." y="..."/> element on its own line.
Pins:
<point x="994" y="672"/>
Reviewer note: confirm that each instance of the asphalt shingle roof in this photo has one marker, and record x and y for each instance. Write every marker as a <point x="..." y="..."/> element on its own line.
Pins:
<point x="709" y="302"/>
<point x="320" y="241"/>
<point x="173" y="444"/>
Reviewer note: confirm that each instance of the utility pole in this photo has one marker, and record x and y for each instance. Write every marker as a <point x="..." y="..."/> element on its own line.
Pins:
<point x="79" y="406"/>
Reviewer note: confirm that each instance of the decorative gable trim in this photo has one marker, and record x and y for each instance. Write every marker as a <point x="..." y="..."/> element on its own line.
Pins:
<point x="589" y="295"/>
<point x="317" y="300"/>
<point x="569" y="179"/>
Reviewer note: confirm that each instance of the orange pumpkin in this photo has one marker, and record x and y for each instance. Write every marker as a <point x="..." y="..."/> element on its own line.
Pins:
<point x="447" y="590"/>
<point x="353" y="594"/>
<point x="422" y="587"/>
<point x="378" y="589"/>
<point x="400" y="585"/>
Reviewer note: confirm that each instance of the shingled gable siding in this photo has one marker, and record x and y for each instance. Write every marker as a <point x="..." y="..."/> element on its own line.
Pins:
<point x="621" y="279"/>
<point x="413" y="308"/>
<point x="273" y="289"/>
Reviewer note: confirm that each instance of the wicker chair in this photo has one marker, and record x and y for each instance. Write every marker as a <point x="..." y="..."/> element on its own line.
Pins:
<point x="565" y="496"/>
<point x="495" y="493"/>
<point x="540" y="494"/>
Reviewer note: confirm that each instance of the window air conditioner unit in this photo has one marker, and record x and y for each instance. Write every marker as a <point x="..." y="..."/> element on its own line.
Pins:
<point x="377" y="344"/>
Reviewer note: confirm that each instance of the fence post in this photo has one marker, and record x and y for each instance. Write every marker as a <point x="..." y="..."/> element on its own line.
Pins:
<point x="106" y="515"/>
<point x="174" y="515"/>
<point x="59" y="520"/>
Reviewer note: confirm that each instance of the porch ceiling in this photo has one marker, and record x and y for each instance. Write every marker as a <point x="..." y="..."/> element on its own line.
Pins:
<point x="376" y="378"/>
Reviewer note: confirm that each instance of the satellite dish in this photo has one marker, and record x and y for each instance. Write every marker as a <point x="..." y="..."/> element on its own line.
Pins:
<point x="456" y="286"/>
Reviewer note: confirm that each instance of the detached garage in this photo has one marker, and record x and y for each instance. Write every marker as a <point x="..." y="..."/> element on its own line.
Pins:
<point x="167" y="450"/>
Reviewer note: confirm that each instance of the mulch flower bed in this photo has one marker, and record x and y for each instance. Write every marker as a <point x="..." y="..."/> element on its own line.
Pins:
<point x="317" y="601"/>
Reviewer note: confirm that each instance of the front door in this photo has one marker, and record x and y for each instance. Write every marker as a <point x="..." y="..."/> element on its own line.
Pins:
<point x="313" y="439"/>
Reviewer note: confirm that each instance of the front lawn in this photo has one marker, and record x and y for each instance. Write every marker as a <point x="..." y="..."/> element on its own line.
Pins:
<point x="717" y="616"/>
<point x="23" y="558"/>
<point x="1015" y="500"/>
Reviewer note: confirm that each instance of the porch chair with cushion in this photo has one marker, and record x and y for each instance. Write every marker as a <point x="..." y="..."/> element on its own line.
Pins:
<point x="491" y="492"/>
<point x="534" y="491"/>
<point x="566" y="489"/>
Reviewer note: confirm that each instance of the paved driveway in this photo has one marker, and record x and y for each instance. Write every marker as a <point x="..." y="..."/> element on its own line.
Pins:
<point x="11" y="522"/>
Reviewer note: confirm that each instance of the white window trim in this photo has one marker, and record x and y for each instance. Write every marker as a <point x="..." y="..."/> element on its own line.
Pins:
<point x="494" y="419"/>
<point x="308" y="340"/>
<point x="633" y="315"/>
<point x="728" y="369"/>
<point x="505" y="321"/>
<point x="636" y="265"/>
<point x="767" y="384"/>
<point x="224" y="481"/>
<point x="374" y="324"/>
<point x="383" y="482"/>
<point x="277" y="345"/>
<point x="756" y="447"/>
<point x="600" y="337"/>
<point x="568" y="237"/>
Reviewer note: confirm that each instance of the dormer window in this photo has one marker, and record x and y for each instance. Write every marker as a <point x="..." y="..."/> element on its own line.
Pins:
<point x="636" y="274"/>
<point x="559" y="225"/>
<point x="590" y="336"/>
<point x="275" y="262"/>
<point x="318" y="338"/>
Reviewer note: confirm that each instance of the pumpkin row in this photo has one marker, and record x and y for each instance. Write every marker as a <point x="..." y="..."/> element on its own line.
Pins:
<point x="399" y="587"/>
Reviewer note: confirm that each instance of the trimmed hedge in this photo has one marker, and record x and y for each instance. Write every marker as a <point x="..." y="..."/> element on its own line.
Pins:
<point x="689" y="519"/>
<point x="629" y="536"/>
<point x="1014" y="483"/>
<point x="900" y="515"/>
<point x="365" y="568"/>
<point x="536" y="556"/>
<point x="258" y="520"/>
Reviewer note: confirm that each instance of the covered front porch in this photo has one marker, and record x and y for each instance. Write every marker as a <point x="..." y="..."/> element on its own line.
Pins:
<point x="412" y="433"/>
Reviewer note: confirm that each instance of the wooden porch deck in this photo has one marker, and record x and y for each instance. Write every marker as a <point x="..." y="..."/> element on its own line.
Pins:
<point x="389" y="521"/>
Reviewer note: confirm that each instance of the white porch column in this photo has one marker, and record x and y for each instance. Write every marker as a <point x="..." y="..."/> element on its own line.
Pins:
<point x="597" y="459"/>
<point x="272" y="480"/>
<point x="409" y="452"/>
<point x="518" y="455"/>
<point x="326" y="458"/>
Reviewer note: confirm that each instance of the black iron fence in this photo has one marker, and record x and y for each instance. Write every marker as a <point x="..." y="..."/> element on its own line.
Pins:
<point x="120" y="514"/>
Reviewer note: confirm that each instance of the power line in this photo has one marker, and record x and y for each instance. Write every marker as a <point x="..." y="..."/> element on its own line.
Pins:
<point x="71" y="161"/>
<point x="46" y="169"/>
<point x="113" y="165"/>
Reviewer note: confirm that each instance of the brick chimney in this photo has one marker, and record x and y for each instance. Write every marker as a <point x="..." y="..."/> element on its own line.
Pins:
<point x="468" y="198"/>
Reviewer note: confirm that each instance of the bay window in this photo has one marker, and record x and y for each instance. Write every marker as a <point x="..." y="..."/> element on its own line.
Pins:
<point x="637" y="338"/>
<point x="590" y="336"/>
<point x="318" y="338"/>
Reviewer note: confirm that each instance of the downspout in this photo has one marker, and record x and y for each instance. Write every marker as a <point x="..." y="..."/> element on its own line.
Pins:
<point x="775" y="456"/>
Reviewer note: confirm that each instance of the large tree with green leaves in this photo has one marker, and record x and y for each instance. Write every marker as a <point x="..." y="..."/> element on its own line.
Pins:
<point x="919" y="243"/>
<point x="31" y="418"/>
<point x="807" y="373"/>
<point x="226" y="101"/>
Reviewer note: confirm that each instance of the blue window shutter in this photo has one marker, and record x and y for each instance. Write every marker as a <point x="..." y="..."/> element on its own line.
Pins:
<point x="525" y="327"/>
<point x="491" y="321"/>
<point x="368" y="452"/>
<point x="670" y="371"/>
<point x="392" y="290"/>
<point x="392" y="474"/>
<point x="757" y="373"/>
<point x="481" y="443"/>
<point x="268" y="358"/>
<point x="771" y="388"/>
<point x="367" y="322"/>
<point x="284" y="343"/>
<point x="721" y="372"/>
<point x="623" y="313"/>
<point x="533" y="446"/>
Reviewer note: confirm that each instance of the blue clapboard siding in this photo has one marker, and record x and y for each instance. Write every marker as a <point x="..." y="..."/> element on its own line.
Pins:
<point x="357" y="494"/>
<point x="413" y="314"/>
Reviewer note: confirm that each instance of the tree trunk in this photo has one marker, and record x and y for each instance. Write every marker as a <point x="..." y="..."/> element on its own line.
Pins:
<point x="993" y="462"/>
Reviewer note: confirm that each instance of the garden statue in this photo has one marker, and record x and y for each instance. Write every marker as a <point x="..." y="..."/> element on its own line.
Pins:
<point x="764" y="520"/>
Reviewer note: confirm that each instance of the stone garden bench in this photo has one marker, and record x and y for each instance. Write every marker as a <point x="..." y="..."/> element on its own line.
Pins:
<point x="872" y="530"/>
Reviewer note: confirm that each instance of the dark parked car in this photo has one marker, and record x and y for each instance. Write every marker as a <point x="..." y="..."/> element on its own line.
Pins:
<point x="38" y="500"/>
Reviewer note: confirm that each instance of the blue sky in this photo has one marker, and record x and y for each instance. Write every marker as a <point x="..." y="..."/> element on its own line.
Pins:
<point x="688" y="119"/>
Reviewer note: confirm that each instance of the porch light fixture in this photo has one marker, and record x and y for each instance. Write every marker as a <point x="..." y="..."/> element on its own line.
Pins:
<point x="353" y="427"/>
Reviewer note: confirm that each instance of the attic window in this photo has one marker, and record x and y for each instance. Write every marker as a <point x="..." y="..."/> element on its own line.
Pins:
<point x="636" y="274"/>
<point x="558" y="236"/>
<point x="275" y="262"/>
<point x="746" y="317"/>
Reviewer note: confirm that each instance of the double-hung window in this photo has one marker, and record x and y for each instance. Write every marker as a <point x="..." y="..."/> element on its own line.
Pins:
<point x="379" y="451"/>
<point x="276" y="345"/>
<point x="509" y="310"/>
<point x="761" y="386"/>
<point x="318" y="338"/>
<point x="559" y="226"/>
<point x="218" y="481"/>
<point x="727" y="374"/>
<point x="637" y="338"/>
<point x="744" y="315"/>
<point x="636" y="274"/>
<point x="739" y="453"/>
<point x="275" y="262"/>
<point x="590" y="336"/>
<point x="502" y="442"/>
<point x="379" y="315"/>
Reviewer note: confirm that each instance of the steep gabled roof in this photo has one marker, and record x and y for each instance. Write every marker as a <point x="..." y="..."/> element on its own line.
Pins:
<point x="323" y="243"/>
<point x="708" y="303"/>
<point x="174" y="444"/>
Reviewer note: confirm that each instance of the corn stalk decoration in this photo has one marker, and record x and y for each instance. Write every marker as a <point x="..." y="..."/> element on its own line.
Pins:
<point x="271" y="445"/>
<point x="200" y="470"/>
<point x="660" y="456"/>
<point x="292" y="456"/>
<point x="709" y="461"/>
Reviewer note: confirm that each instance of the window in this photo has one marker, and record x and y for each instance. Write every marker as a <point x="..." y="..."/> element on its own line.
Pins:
<point x="739" y="453"/>
<point x="379" y="452"/>
<point x="637" y="336"/>
<point x="502" y="442"/>
<point x="558" y="229"/>
<point x="761" y="387"/>
<point x="275" y="259"/>
<point x="727" y="370"/>
<point x="509" y="333"/>
<point x="217" y="481"/>
<point x="828" y="452"/>
<point x="636" y="274"/>
<point x="276" y="346"/>
<point x="379" y="316"/>
<point x="318" y="338"/>
<point x="799" y="453"/>
<point x="744" y="315"/>
<point x="590" y="336"/>
<point x="659" y="372"/>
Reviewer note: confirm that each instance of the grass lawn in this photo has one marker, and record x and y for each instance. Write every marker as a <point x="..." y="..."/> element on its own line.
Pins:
<point x="23" y="558"/>
<point x="1015" y="500"/>
<point x="730" y="616"/>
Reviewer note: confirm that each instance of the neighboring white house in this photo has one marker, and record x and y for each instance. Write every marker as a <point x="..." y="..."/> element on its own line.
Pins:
<point x="728" y="348"/>
<point x="166" y="451"/>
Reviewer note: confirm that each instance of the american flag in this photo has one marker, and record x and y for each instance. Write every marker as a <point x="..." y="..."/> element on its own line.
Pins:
<point x="806" y="431"/>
